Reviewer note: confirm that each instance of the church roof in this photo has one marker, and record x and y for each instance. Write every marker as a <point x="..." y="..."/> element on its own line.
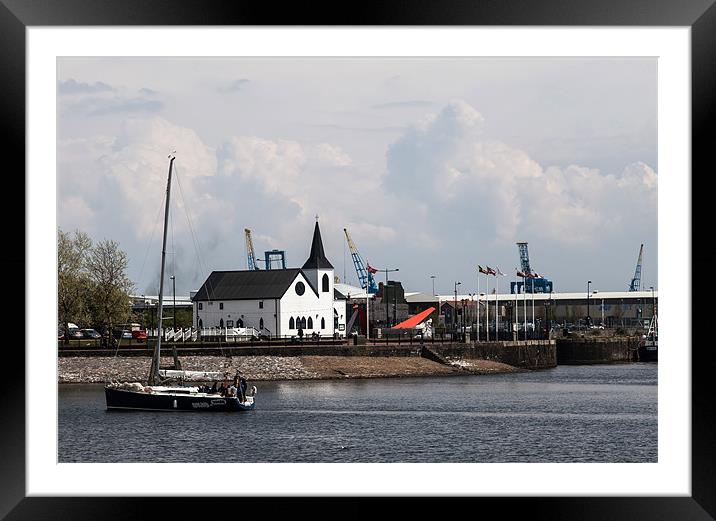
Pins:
<point x="248" y="284"/>
<point x="317" y="258"/>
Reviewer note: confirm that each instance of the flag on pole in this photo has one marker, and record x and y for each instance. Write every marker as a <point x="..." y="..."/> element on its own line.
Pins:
<point x="371" y="269"/>
<point x="490" y="271"/>
<point x="482" y="270"/>
<point x="520" y="274"/>
<point x="500" y="273"/>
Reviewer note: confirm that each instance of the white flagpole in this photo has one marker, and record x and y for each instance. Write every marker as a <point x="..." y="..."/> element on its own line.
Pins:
<point x="497" y="311"/>
<point x="487" y="308"/>
<point x="524" y="300"/>
<point x="533" y="303"/>
<point x="478" y="305"/>
<point x="516" y="325"/>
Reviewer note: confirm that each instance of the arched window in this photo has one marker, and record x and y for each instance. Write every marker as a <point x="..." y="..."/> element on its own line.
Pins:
<point x="323" y="323"/>
<point x="261" y="323"/>
<point x="310" y="323"/>
<point x="291" y="323"/>
<point x="221" y="323"/>
<point x="303" y="322"/>
<point x="239" y="323"/>
<point x="201" y="324"/>
<point x="326" y="285"/>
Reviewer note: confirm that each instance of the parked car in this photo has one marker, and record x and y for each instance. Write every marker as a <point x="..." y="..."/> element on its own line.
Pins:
<point x="76" y="334"/>
<point x="122" y="334"/>
<point x="90" y="333"/>
<point x="139" y="334"/>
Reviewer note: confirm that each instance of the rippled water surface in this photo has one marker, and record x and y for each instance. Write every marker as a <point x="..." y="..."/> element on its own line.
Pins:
<point x="605" y="413"/>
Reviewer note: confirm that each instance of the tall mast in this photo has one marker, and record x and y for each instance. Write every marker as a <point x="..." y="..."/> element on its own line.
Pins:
<point x="155" y="375"/>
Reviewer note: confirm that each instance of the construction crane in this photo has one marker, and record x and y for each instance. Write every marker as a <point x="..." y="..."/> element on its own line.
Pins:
<point x="251" y="256"/>
<point x="524" y="258"/>
<point x="636" y="281"/>
<point x="365" y="277"/>
<point x="538" y="284"/>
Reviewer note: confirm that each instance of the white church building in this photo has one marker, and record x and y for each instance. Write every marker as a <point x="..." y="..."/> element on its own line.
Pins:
<point x="277" y="302"/>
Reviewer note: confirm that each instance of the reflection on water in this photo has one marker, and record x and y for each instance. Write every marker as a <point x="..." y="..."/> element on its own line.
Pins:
<point x="604" y="413"/>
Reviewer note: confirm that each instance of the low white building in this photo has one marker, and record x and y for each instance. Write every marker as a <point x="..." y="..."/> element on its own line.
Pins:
<point x="278" y="303"/>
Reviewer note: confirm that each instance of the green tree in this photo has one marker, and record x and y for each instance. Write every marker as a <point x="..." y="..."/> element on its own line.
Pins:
<point x="72" y="278"/>
<point x="109" y="297"/>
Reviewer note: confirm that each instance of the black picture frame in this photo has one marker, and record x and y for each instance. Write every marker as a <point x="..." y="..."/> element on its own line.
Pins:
<point x="17" y="15"/>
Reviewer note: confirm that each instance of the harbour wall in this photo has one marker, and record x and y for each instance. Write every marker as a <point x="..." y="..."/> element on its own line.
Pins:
<point x="530" y="354"/>
<point x="573" y="351"/>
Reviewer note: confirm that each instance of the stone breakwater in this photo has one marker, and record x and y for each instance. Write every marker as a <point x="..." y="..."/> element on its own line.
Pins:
<point x="106" y="369"/>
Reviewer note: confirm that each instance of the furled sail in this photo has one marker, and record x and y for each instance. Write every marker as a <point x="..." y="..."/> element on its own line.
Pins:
<point x="196" y="376"/>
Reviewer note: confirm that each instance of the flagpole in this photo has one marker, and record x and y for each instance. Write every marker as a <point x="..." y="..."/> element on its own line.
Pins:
<point x="487" y="308"/>
<point x="497" y="311"/>
<point x="517" y="319"/>
<point x="478" y="304"/>
<point x="524" y="300"/>
<point x="533" y="303"/>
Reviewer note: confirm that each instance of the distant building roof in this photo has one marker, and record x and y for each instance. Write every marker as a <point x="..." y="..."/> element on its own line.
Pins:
<point x="317" y="258"/>
<point x="350" y="291"/>
<point x="248" y="284"/>
<point x="420" y="297"/>
<point x="557" y="296"/>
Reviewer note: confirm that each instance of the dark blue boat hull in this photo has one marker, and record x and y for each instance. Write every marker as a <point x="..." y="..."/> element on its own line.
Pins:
<point x="119" y="399"/>
<point x="648" y="355"/>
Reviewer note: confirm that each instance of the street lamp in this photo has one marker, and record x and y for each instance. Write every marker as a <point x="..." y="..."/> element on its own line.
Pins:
<point x="433" y="277"/>
<point x="463" y="315"/>
<point x="551" y="314"/>
<point x="174" y="304"/>
<point x="653" y="302"/>
<point x="589" y="318"/>
<point x="454" y="318"/>
<point x="385" y="295"/>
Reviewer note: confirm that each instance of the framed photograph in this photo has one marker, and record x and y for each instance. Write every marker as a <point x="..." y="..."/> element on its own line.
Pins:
<point x="430" y="140"/>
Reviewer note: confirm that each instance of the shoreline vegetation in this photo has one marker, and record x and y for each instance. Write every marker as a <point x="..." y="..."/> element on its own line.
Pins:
<point x="74" y="370"/>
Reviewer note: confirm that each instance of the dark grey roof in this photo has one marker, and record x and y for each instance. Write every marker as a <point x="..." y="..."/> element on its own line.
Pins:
<point x="248" y="284"/>
<point x="317" y="258"/>
<point x="338" y="295"/>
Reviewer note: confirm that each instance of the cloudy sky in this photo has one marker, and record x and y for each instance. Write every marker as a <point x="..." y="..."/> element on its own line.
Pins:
<point x="433" y="165"/>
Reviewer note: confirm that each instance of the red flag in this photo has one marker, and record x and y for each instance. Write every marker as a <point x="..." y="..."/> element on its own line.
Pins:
<point x="520" y="274"/>
<point x="371" y="269"/>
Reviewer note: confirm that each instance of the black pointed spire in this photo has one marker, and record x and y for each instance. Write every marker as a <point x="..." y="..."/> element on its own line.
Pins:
<point x="317" y="259"/>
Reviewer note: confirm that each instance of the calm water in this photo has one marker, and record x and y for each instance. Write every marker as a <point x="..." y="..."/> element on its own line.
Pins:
<point x="605" y="413"/>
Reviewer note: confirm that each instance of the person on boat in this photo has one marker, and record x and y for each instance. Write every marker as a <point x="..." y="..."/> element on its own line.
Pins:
<point x="213" y="388"/>
<point x="222" y="389"/>
<point x="300" y="334"/>
<point x="231" y="391"/>
<point x="242" y="386"/>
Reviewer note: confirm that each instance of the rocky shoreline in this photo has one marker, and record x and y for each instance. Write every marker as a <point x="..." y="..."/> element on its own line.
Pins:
<point x="269" y="368"/>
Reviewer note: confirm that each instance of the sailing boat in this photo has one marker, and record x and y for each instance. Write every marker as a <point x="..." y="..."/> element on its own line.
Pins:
<point x="165" y="389"/>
